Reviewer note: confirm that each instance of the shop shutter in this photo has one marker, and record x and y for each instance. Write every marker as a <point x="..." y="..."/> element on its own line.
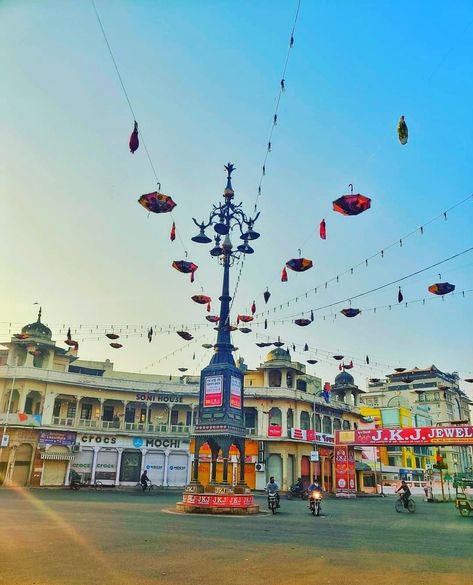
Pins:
<point x="106" y="468"/>
<point x="177" y="469"/>
<point x="154" y="464"/>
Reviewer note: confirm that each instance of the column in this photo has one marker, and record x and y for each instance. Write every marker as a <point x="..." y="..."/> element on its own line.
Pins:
<point x="284" y="421"/>
<point x="284" y="482"/>
<point x="213" y="469"/>
<point x="166" y="467"/>
<point x="119" y="466"/>
<point x="169" y="418"/>
<point x="348" y="396"/>
<point x="225" y="452"/>
<point x="122" y="419"/>
<point x="94" y="464"/>
<point x="77" y="416"/>
<point x="68" y="473"/>
<point x="48" y="408"/>
<point x="322" y="473"/>
<point x="21" y="402"/>
<point x="242" y="462"/>
<point x="263" y="423"/>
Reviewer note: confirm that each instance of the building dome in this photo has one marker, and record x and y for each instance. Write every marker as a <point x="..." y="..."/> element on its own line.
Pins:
<point x="37" y="329"/>
<point x="344" y="379"/>
<point x="278" y="354"/>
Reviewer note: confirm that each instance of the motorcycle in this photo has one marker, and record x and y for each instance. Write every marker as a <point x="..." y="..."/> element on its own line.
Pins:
<point x="273" y="502"/>
<point x="296" y="491"/>
<point x="315" y="503"/>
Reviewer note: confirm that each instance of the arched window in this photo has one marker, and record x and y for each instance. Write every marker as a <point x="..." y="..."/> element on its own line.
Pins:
<point x="275" y="379"/>
<point x="327" y="425"/>
<point x="305" y="420"/>
<point x="317" y="423"/>
<point x="290" y="419"/>
<point x="289" y="379"/>
<point x="346" y="424"/>
<point x="275" y="417"/>
<point x="337" y="424"/>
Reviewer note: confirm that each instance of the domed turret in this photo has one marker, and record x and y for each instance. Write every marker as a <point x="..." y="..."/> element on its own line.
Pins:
<point x="278" y="354"/>
<point x="344" y="379"/>
<point x="37" y="329"/>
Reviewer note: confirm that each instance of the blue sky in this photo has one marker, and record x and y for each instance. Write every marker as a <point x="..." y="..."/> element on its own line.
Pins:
<point x="203" y="78"/>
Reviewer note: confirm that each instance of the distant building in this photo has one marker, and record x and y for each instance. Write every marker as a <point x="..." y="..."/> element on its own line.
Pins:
<point x="429" y="394"/>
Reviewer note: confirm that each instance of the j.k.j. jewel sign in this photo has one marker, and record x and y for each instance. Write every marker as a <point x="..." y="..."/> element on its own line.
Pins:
<point x="459" y="435"/>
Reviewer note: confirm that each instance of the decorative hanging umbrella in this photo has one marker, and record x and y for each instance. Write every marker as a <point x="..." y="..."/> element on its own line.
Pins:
<point x="182" y="369"/>
<point x="172" y="235"/>
<point x="402" y="131"/>
<point x="278" y="343"/>
<point x="116" y="345"/>
<point x="306" y="347"/>
<point x="469" y="380"/>
<point x="284" y="275"/>
<point x="212" y="318"/>
<point x="352" y="204"/>
<point x="400" y="296"/>
<point x="302" y="322"/>
<point x="202" y="300"/>
<point x="299" y="264"/>
<point x="312" y="361"/>
<point x="338" y="357"/>
<point x="207" y="345"/>
<point x="441" y="288"/>
<point x="185" y="335"/>
<point x="150" y="334"/>
<point x="156" y="202"/>
<point x="399" y="370"/>
<point x="185" y="267"/>
<point x="112" y="335"/>
<point x="244" y="318"/>
<point x="245" y="329"/>
<point x="262" y="344"/>
<point x="253" y="308"/>
<point x="266" y="296"/>
<point x="367" y="359"/>
<point x="134" y="141"/>
<point x="350" y="312"/>
<point x="326" y="392"/>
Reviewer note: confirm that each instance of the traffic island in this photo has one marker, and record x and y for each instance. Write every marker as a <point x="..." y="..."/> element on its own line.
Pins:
<point x="217" y="499"/>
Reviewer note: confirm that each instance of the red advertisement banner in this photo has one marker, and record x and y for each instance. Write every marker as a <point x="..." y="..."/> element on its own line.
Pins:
<point x="274" y="431"/>
<point x="213" y="391"/>
<point x="460" y="435"/>
<point x="219" y="501"/>
<point x="344" y="470"/>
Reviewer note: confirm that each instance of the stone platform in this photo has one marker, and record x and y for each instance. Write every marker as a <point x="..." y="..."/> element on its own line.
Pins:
<point x="217" y="500"/>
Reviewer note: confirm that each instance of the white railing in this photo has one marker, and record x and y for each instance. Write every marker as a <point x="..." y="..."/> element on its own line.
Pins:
<point x="63" y="422"/>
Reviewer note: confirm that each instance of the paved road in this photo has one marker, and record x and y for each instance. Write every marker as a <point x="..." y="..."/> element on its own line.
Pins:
<point x="59" y="537"/>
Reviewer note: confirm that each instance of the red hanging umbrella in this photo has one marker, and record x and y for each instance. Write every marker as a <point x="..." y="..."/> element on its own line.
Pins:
<point x="284" y="275"/>
<point x="350" y="312"/>
<point x="213" y="318"/>
<point x="352" y="204"/>
<point x="441" y="288"/>
<point x="185" y="267"/>
<point x="323" y="230"/>
<point x="244" y="318"/>
<point x="253" y="308"/>
<point x="299" y="264"/>
<point x="172" y="235"/>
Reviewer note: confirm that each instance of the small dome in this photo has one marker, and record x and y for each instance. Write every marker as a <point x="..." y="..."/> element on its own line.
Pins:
<point x="278" y="354"/>
<point x="344" y="379"/>
<point x="37" y="329"/>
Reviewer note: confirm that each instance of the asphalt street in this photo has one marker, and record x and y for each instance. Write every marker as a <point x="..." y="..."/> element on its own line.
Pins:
<point x="50" y="537"/>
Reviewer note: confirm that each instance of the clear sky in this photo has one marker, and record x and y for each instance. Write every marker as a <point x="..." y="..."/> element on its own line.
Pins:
<point x="203" y="78"/>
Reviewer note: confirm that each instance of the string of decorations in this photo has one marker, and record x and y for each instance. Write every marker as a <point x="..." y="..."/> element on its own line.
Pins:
<point x="381" y="287"/>
<point x="381" y="253"/>
<point x="281" y="90"/>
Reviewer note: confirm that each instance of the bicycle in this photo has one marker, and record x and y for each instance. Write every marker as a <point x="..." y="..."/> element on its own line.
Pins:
<point x="400" y="507"/>
<point x="149" y="487"/>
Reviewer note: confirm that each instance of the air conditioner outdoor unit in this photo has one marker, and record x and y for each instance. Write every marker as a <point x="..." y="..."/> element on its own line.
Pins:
<point x="260" y="466"/>
<point x="75" y="448"/>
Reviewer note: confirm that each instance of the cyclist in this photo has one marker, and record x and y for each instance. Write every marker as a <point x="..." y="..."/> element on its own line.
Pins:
<point x="407" y="492"/>
<point x="144" y="480"/>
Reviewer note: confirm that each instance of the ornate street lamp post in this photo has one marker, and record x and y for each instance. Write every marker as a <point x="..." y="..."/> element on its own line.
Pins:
<point x="220" y="421"/>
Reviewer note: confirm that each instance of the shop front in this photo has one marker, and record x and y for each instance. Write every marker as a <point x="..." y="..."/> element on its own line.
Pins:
<point x="16" y="459"/>
<point x="120" y="460"/>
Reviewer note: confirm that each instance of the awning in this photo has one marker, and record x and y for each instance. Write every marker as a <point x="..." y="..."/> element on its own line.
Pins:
<point x="57" y="456"/>
<point x="361" y="466"/>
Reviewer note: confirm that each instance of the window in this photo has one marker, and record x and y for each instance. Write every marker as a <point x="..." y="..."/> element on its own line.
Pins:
<point x="327" y="425"/>
<point x="29" y="406"/>
<point x="86" y="411"/>
<point x="174" y="416"/>
<point x="317" y="423"/>
<point x="71" y="410"/>
<point x="289" y="379"/>
<point x="188" y="418"/>
<point x="337" y="424"/>
<point x="107" y="413"/>
<point x="250" y="418"/>
<point x="275" y="379"/>
<point x="346" y="424"/>
<point x="130" y="414"/>
<point x="57" y="408"/>
<point x="301" y="385"/>
<point x="305" y="420"/>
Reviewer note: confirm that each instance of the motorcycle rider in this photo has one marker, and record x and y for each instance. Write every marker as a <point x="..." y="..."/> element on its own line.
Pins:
<point x="314" y="487"/>
<point x="273" y="488"/>
<point x="407" y="492"/>
<point x="299" y="485"/>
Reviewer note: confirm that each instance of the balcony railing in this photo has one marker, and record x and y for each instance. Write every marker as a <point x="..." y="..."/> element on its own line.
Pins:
<point x="251" y="431"/>
<point x="63" y="422"/>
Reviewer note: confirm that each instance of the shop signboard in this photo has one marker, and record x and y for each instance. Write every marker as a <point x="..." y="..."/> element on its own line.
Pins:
<point x="458" y="435"/>
<point x="344" y="471"/>
<point x="57" y="438"/>
<point x="235" y="392"/>
<point x="111" y="440"/>
<point x="274" y="430"/>
<point x="213" y="391"/>
<point x="312" y="436"/>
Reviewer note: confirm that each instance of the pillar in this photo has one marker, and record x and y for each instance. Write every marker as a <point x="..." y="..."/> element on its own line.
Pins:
<point x="119" y="466"/>
<point x="284" y="482"/>
<point x="77" y="416"/>
<point x="166" y="467"/>
<point x="322" y="473"/>
<point x="122" y="421"/>
<point x="225" y="452"/>
<point x="284" y="422"/>
<point x="195" y="463"/>
<point x="22" y="400"/>
<point x="94" y="464"/>
<point x="242" y="461"/>
<point x="214" y="450"/>
<point x="48" y="408"/>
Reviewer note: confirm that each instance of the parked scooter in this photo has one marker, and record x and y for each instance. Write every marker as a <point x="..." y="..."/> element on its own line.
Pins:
<point x="315" y="503"/>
